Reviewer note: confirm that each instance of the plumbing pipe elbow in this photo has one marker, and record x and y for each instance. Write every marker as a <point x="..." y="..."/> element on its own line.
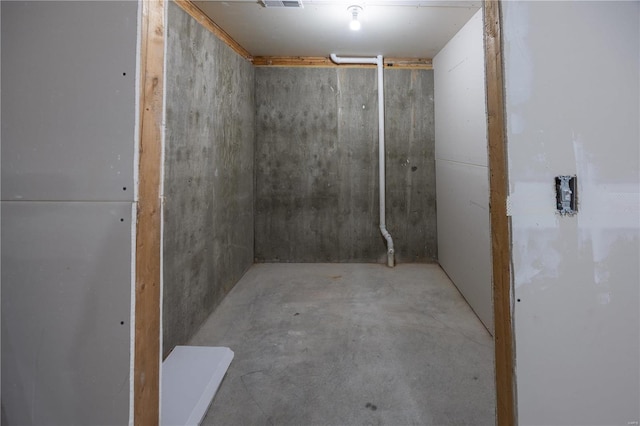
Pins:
<point x="338" y="60"/>
<point x="387" y="236"/>
<point x="390" y="249"/>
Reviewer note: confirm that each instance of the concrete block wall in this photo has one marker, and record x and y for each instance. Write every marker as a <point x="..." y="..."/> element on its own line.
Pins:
<point x="68" y="144"/>
<point x="317" y="165"/>
<point x="208" y="183"/>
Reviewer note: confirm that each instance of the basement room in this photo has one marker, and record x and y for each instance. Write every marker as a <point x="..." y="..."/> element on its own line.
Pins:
<point x="319" y="212"/>
<point x="300" y="225"/>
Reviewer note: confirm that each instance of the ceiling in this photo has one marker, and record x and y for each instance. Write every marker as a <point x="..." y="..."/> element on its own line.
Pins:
<point x="393" y="28"/>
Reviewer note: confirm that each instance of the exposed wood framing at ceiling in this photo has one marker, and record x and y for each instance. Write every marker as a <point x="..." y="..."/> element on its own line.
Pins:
<point x="193" y="10"/>
<point x="413" y="63"/>
<point x="500" y="229"/>
<point x="320" y="61"/>
<point x="146" y="387"/>
<point x="289" y="61"/>
<point x="292" y="61"/>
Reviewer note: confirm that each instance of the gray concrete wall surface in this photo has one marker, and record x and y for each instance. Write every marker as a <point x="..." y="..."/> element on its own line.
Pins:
<point x="68" y="144"/>
<point x="317" y="165"/>
<point x="208" y="183"/>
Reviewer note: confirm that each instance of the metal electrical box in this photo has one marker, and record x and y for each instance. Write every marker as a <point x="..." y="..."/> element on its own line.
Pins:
<point x="566" y="195"/>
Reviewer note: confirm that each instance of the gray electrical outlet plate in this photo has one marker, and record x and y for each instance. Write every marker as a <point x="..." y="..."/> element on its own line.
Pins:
<point x="566" y="195"/>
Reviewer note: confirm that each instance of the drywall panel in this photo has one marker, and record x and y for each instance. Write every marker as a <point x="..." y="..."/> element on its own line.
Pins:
<point x="317" y="167"/>
<point x="68" y="79"/>
<point x="576" y="278"/>
<point x="462" y="179"/>
<point x="460" y="96"/>
<point x="68" y="101"/>
<point x="66" y="285"/>
<point x="208" y="184"/>
<point x="463" y="233"/>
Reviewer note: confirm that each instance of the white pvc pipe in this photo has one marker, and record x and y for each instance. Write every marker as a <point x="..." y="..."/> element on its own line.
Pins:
<point x="339" y="61"/>
<point x="381" y="150"/>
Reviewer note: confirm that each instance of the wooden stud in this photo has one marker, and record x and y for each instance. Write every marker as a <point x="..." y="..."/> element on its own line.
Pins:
<point x="292" y="61"/>
<point x="412" y="63"/>
<point x="146" y="388"/>
<point x="500" y="230"/>
<point x="204" y="20"/>
<point x="321" y="61"/>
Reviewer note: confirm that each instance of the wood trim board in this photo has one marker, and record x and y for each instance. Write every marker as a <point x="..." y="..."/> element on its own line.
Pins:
<point x="146" y="385"/>
<point x="500" y="226"/>
<point x="320" y="61"/>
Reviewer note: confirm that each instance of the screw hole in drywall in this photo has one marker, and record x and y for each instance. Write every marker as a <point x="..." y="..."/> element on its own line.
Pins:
<point x="518" y="300"/>
<point x="121" y="219"/>
<point x="121" y="322"/>
<point x="124" y="188"/>
<point x="124" y="74"/>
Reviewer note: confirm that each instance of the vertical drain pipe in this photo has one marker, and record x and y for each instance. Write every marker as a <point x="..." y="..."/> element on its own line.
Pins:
<point x="378" y="61"/>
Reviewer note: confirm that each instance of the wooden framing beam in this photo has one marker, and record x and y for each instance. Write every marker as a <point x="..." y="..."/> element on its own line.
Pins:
<point x="321" y="61"/>
<point x="292" y="61"/>
<point x="146" y="387"/>
<point x="500" y="226"/>
<point x="411" y="63"/>
<point x="193" y="10"/>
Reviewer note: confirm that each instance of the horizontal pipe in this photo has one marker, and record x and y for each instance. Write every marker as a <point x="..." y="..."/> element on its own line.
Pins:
<point x="339" y="60"/>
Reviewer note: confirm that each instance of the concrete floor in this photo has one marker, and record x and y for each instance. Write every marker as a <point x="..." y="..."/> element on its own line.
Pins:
<point x="350" y="344"/>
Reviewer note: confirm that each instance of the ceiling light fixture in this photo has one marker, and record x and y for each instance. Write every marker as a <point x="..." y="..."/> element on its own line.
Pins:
<point x="354" y="11"/>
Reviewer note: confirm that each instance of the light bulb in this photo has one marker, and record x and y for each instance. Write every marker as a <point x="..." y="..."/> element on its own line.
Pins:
<point x="353" y="11"/>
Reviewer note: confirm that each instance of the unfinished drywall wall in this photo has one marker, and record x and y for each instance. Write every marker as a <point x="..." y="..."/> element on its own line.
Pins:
<point x="68" y="103"/>
<point x="462" y="177"/>
<point x="576" y="278"/>
<point x="317" y="165"/>
<point x="208" y="185"/>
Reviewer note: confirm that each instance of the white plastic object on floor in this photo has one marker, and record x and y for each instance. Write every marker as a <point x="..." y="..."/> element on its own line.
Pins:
<point x="191" y="376"/>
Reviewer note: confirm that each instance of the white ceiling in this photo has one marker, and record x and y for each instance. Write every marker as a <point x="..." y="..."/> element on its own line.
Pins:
<point x="393" y="28"/>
